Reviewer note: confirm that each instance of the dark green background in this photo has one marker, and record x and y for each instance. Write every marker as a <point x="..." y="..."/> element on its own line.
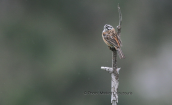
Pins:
<point x="51" y="51"/>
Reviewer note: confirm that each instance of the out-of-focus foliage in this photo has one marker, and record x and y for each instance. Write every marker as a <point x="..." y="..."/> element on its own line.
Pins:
<point x="51" y="51"/>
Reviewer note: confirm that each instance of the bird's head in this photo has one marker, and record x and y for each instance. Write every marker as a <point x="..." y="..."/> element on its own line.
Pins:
<point x="107" y="27"/>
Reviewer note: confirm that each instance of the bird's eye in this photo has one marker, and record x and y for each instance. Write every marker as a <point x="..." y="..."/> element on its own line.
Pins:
<point x="108" y="27"/>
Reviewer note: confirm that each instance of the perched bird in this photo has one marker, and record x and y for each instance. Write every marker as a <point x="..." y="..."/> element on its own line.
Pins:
<point x="112" y="39"/>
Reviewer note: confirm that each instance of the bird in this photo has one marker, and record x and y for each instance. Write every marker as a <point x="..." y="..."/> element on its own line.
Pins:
<point x="112" y="39"/>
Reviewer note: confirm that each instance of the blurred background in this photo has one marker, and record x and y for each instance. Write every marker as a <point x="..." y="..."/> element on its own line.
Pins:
<point x="51" y="51"/>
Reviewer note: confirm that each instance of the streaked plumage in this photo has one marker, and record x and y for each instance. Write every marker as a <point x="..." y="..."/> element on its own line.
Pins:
<point x="113" y="40"/>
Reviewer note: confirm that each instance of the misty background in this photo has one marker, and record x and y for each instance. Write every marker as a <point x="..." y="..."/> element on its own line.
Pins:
<point x="51" y="51"/>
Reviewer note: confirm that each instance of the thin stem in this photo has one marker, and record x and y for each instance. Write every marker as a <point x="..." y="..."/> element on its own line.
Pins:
<point x="120" y="21"/>
<point x="120" y="15"/>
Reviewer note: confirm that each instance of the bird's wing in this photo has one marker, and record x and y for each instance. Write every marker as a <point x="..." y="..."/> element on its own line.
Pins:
<point x="113" y="40"/>
<point x="120" y="42"/>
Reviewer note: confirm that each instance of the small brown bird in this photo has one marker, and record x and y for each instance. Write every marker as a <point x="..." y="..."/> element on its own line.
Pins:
<point x="112" y="39"/>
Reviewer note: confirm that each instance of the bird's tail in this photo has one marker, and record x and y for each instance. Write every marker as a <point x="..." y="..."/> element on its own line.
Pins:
<point x="120" y="53"/>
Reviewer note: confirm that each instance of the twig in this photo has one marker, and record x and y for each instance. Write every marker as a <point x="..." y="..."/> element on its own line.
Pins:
<point x="120" y="21"/>
<point x="114" y="71"/>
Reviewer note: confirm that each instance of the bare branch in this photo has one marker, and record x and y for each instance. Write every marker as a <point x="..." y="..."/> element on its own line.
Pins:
<point x="108" y="69"/>
<point x="120" y="15"/>
<point x="120" y="21"/>
<point x="114" y="71"/>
